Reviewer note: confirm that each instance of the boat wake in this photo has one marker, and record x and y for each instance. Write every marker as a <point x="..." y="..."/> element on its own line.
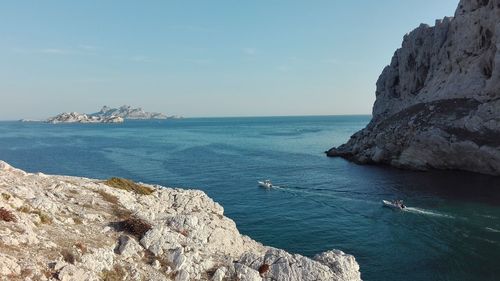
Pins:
<point x="426" y="212"/>
<point x="492" y="229"/>
<point x="299" y="190"/>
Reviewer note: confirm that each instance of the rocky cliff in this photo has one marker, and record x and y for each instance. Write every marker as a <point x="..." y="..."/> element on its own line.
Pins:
<point x="69" y="228"/>
<point x="438" y="102"/>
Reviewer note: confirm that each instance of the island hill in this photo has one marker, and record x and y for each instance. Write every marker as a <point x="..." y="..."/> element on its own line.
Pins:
<point x="71" y="228"/>
<point x="108" y="115"/>
<point x="438" y="102"/>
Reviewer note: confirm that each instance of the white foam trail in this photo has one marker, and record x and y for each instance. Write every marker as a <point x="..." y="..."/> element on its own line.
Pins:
<point x="488" y="216"/>
<point x="425" y="212"/>
<point x="324" y="195"/>
<point x="492" y="229"/>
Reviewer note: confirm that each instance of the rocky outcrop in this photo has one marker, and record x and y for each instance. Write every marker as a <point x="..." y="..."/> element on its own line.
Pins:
<point x="75" y="117"/>
<point x="127" y="112"/>
<point x="69" y="228"/>
<point x="438" y="102"/>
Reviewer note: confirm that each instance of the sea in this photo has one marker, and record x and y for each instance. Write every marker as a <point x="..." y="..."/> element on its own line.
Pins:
<point x="450" y="230"/>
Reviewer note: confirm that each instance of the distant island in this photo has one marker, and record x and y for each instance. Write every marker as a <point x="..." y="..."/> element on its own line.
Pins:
<point x="75" y="117"/>
<point x="107" y="115"/>
<point x="127" y="112"/>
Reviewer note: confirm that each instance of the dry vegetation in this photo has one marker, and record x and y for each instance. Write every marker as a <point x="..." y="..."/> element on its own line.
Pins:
<point x="118" y="273"/>
<point x="44" y="218"/>
<point x="134" y="226"/>
<point x="81" y="247"/>
<point x="108" y="197"/>
<point x="7" y="215"/>
<point x="129" y="185"/>
<point x="78" y="220"/>
<point x="6" y="196"/>
<point x="68" y="256"/>
<point x="263" y="269"/>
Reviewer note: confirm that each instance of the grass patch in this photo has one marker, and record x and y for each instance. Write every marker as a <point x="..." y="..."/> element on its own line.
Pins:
<point x="118" y="273"/>
<point x="7" y="215"/>
<point x="108" y="197"/>
<point x="6" y="196"/>
<point x="128" y="185"/>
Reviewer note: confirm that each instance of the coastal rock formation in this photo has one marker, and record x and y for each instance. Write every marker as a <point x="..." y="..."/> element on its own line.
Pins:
<point x="70" y="228"/>
<point x="75" y="117"/>
<point x="438" y="102"/>
<point x="127" y="112"/>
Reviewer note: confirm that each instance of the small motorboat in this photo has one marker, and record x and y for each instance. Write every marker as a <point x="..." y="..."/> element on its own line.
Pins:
<point x="395" y="204"/>
<point x="265" y="184"/>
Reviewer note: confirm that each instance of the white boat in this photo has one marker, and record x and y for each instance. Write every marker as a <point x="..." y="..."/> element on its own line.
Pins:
<point x="265" y="184"/>
<point x="394" y="204"/>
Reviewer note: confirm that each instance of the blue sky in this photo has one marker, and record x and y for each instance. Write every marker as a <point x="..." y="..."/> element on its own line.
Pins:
<point x="201" y="58"/>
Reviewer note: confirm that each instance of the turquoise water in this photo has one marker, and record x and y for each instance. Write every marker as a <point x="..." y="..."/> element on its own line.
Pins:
<point x="450" y="232"/>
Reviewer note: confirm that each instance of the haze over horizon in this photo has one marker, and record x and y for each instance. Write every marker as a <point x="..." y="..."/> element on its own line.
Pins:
<point x="201" y="59"/>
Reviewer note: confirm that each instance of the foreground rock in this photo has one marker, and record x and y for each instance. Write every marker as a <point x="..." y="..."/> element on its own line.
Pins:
<point x="438" y="102"/>
<point x="69" y="228"/>
<point x="75" y="117"/>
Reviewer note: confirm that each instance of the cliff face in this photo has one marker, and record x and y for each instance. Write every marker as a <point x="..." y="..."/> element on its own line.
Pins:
<point x="438" y="102"/>
<point x="69" y="228"/>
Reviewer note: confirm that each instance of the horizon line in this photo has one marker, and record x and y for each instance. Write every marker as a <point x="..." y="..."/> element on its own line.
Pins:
<point x="208" y="117"/>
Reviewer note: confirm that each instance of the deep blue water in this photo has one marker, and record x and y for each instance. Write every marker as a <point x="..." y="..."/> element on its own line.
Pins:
<point x="450" y="232"/>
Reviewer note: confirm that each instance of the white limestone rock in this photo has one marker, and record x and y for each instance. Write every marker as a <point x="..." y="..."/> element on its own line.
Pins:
<point x="219" y="274"/>
<point x="438" y="102"/>
<point x="341" y="264"/>
<point x="189" y="237"/>
<point x="245" y="273"/>
<point x="99" y="260"/>
<point x="277" y="264"/>
<point x="72" y="273"/>
<point x="128" y="247"/>
<point x="8" y="265"/>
